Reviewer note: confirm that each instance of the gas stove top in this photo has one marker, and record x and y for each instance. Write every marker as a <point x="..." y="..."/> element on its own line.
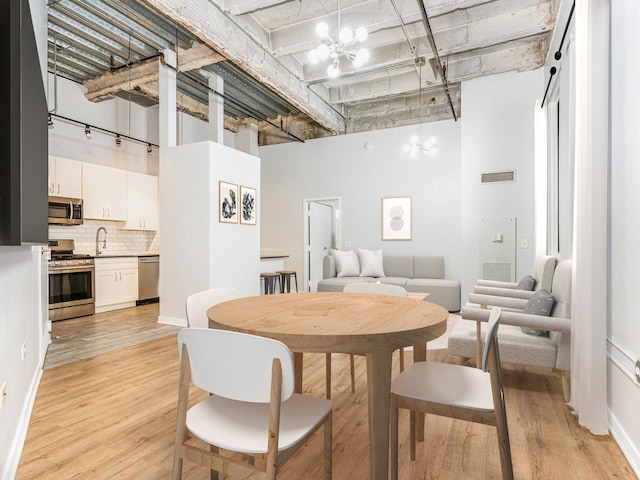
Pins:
<point x="62" y="255"/>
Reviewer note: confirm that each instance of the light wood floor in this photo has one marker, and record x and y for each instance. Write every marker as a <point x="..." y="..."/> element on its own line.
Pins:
<point x="112" y="416"/>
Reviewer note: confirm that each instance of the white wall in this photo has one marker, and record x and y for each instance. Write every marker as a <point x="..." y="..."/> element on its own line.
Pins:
<point x="342" y="167"/>
<point x="118" y="115"/>
<point x="21" y="322"/>
<point x="198" y="252"/>
<point x="498" y="134"/>
<point x="624" y="327"/>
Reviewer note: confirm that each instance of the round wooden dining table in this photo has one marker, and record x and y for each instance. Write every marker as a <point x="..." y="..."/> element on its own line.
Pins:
<point x="374" y="325"/>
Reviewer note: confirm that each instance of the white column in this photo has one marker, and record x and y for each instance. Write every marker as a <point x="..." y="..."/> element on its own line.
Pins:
<point x="216" y="109"/>
<point x="167" y="113"/>
<point x="247" y="139"/>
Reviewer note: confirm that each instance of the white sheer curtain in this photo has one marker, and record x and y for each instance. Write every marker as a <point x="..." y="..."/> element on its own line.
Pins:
<point x="589" y="300"/>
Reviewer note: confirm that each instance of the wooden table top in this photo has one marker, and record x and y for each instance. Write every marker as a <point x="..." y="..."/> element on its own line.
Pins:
<point x="333" y="322"/>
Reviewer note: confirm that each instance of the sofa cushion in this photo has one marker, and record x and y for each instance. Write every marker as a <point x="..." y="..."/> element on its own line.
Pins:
<point x="371" y="263"/>
<point x="347" y="264"/>
<point x="336" y="284"/>
<point x="443" y="292"/>
<point x="515" y="346"/>
<point x="400" y="281"/>
<point x="398" y="266"/>
<point x="428" y="267"/>
<point x="526" y="283"/>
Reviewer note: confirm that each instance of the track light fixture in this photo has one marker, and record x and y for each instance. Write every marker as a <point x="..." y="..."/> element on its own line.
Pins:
<point x="87" y="131"/>
<point x="118" y="140"/>
<point x="49" y="120"/>
<point x="149" y="148"/>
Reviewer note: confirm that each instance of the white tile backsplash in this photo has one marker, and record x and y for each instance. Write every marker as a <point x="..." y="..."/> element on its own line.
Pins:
<point x="119" y="241"/>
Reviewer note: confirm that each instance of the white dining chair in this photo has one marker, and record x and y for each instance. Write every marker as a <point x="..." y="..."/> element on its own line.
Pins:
<point x="198" y="303"/>
<point x="251" y="410"/>
<point x="455" y="391"/>
<point x="377" y="289"/>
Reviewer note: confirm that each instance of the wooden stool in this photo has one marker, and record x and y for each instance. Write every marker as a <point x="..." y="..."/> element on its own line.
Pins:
<point x="270" y="282"/>
<point x="285" y="279"/>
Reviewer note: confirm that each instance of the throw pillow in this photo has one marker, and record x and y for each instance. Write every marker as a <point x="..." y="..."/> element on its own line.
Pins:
<point x="540" y="303"/>
<point x="526" y="283"/>
<point x="347" y="264"/>
<point x="370" y="263"/>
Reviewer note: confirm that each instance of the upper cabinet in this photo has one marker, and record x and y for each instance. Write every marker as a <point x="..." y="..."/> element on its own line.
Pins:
<point x="142" y="202"/>
<point x="65" y="177"/>
<point x="104" y="192"/>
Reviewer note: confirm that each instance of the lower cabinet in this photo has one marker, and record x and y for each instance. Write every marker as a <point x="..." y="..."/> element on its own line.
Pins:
<point x="116" y="283"/>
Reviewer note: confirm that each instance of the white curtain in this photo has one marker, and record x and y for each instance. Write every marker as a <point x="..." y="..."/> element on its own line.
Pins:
<point x="589" y="299"/>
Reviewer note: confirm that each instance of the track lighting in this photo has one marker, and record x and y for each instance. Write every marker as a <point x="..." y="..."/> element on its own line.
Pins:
<point x="87" y="131"/>
<point x="49" y="120"/>
<point x="149" y="148"/>
<point x="118" y="140"/>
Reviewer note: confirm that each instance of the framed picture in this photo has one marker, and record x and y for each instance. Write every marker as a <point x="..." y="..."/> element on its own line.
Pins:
<point x="228" y="200"/>
<point x="248" y="205"/>
<point x="396" y="218"/>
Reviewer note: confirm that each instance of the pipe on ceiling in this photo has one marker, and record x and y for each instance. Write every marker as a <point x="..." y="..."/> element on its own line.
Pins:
<point x="432" y="42"/>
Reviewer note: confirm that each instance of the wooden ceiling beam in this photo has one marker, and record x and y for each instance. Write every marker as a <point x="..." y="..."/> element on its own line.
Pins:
<point x="125" y="79"/>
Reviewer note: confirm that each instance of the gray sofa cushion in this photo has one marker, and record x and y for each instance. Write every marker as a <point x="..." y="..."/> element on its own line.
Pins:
<point x="428" y="267"/>
<point x="336" y="284"/>
<point x="540" y="303"/>
<point x="398" y="266"/>
<point x="445" y="293"/>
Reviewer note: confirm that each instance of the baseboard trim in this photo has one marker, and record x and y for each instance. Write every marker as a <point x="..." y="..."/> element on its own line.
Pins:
<point x="178" y="322"/>
<point x="625" y="443"/>
<point x="13" y="459"/>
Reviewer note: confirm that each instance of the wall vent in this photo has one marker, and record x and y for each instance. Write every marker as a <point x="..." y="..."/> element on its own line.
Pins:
<point x="498" y="177"/>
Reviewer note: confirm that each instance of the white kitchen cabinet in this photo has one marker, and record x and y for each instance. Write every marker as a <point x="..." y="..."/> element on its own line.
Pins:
<point x="65" y="177"/>
<point x="104" y="190"/>
<point x="116" y="283"/>
<point x="142" y="202"/>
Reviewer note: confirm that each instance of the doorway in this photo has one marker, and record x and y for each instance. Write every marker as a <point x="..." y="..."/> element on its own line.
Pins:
<point x="322" y="227"/>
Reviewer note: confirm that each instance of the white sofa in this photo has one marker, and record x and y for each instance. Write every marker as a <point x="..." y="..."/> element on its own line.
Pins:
<point x="420" y="274"/>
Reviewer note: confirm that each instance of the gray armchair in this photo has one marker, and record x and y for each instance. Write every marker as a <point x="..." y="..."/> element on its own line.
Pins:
<point x="552" y="351"/>
<point x="543" y="270"/>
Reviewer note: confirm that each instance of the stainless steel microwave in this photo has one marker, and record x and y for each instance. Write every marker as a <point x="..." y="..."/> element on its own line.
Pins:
<point x="65" y="211"/>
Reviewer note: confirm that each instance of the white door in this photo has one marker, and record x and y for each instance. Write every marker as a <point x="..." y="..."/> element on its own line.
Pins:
<point x="320" y="239"/>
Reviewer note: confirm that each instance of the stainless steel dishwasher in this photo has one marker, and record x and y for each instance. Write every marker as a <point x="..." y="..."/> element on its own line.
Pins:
<point x="148" y="273"/>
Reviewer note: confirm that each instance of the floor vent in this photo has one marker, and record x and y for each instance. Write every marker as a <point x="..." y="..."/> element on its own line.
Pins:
<point x="498" y="177"/>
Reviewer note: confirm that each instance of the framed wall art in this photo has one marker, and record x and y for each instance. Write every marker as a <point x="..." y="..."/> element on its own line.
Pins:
<point x="396" y="218"/>
<point x="248" y="205"/>
<point x="228" y="200"/>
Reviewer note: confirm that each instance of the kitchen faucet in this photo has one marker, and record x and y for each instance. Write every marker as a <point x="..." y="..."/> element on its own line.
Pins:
<point x="104" y="242"/>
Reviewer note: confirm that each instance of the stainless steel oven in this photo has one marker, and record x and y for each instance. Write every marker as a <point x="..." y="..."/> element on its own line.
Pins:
<point x="71" y="282"/>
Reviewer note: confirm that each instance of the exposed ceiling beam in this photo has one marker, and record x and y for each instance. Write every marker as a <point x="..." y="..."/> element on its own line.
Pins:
<point x="221" y="32"/>
<point x="106" y="86"/>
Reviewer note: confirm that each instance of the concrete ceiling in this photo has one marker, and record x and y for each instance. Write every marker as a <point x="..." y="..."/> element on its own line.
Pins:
<point x="260" y="48"/>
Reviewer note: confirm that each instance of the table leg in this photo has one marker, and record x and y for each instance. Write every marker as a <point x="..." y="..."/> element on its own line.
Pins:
<point x="297" y="368"/>
<point x="419" y="355"/>
<point x="379" y="396"/>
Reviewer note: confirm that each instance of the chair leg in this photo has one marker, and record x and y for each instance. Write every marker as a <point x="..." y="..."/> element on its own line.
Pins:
<point x="401" y="352"/>
<point x="393" y="439"/>
<point x="353" y="373"/>
<point x="328" y="375"/>
<point x="412" y="435"/>
<point x="566" y="385"/>
<point x="214" y="474"/>
<point x="503" y="442"/>
<point x="328" y="447"/>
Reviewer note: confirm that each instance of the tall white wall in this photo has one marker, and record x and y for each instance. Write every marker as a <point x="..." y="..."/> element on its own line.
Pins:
<point x="624" y="327"/>
<point x="118" y="115"/>
<point x="498" y="134"/>
<point x="22" y="300"/>
<point x="342" y="167"/>
<point x="197" y="251"/>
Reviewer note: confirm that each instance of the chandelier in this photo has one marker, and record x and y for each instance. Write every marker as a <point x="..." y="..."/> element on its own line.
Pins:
<point x="345" y="46"/>
<point x="416" y="145"/>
